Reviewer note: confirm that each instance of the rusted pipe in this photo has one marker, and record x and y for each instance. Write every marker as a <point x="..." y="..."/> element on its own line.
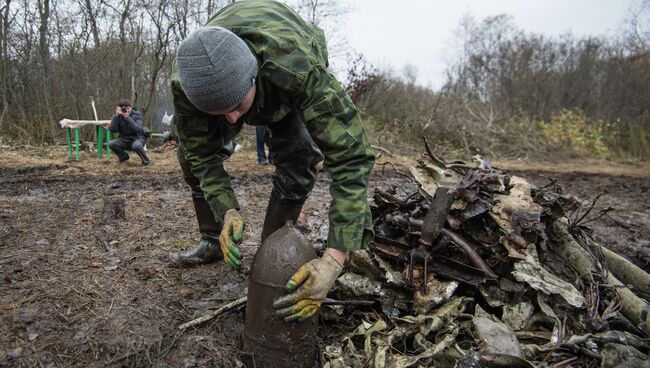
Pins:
<point x="473" y="257"/>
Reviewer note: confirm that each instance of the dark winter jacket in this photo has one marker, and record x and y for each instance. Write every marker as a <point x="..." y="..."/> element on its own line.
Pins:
<point x="130" y="127"/>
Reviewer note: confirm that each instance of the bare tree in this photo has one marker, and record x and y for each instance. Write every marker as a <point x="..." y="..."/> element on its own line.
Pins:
<point x="124" y="17"/>
<point x="5" y="23"/>
<point x="43" y="29"/>
<point x="91" y="11"/>
<point x="637" y="27"/>
<point x="410" y="74"/>
<point x="328" y="15"/>
<point x="162" y="28"/>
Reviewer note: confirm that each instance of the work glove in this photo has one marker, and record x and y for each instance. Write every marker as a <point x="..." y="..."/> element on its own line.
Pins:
<point x="308" y="286"/>
<point x="231" y="235"/>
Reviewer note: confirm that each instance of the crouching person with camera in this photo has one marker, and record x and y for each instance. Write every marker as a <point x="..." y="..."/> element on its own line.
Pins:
<point x="132" y="133"/>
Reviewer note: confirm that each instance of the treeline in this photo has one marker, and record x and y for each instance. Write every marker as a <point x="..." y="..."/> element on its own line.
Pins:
<point x="508" y="93"/>
<point x="58" y="54"/>
<point x="516" y="94"/>
<point x="55" y="55"/>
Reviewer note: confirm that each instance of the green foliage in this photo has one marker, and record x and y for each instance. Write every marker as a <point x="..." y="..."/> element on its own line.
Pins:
<point x="571" y="132"/>
<point x="637" y="141"/>
<point x="628" y="140"/>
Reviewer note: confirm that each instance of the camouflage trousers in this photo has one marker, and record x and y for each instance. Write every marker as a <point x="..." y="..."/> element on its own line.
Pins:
<point x="295" y="157"/>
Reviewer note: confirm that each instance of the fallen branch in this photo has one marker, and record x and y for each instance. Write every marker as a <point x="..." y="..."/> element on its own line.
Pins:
<point x="382" y="149"/>
<point x="214" y="313"/>
<point x="632" y="307"/>
<point x="383" y="164"/>
<point x="576" y="222"/>
<point x="329" y="301"/>
<point x="437" y="160"/>
<point x="628" y="273"/>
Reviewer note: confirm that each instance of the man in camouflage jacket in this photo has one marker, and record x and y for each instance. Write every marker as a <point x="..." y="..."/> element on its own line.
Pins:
<point x="259" y="62"/>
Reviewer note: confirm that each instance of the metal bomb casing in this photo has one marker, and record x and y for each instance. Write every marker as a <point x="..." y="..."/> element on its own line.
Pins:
<point x="270" y="341"/>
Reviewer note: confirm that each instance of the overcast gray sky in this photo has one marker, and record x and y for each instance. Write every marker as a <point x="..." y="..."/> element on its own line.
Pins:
<point x="392" y="33"/>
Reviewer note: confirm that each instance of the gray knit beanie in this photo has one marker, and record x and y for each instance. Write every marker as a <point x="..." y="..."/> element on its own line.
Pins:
<point x="216" y="68"/>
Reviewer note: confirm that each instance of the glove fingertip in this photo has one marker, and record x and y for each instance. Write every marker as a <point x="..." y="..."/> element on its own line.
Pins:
<point x="283" y="312"/>
<point x="277" y="303"/>
<point x="282" y="302"/>
<point x="298" y="278"/>
<point x="292" y="317"/>
<point x="231" y="261"/>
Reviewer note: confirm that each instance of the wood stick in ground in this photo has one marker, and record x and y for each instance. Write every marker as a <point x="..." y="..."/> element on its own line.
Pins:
<point x="114" y="208"/>
<point x="92" y="102"/>
<point x="208" y="316"/>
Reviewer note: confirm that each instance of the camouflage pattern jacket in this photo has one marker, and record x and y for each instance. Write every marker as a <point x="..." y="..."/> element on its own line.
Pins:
<point x="292" y="77"/>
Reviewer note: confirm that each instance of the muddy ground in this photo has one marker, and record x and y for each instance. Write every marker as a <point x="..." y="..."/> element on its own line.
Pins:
<point x="77" y="292"/>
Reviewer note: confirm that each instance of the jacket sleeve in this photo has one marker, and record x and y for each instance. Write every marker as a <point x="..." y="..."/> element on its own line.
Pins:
<point x="135" y="124"/>
<point x="114" y="126"/>
<point x="203" y="138"/>
<point x="334" y="123"/>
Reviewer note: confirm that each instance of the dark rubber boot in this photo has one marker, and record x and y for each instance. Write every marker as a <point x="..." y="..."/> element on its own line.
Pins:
<point x="207" y="251"/>
<point x="278" y="213"/>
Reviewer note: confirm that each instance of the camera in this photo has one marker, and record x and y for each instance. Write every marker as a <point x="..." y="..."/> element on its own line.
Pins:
<point x="123" y="108"/>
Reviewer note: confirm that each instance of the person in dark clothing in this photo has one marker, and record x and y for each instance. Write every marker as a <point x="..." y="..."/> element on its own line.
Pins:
<point x="260" y="138"/>
<point x="128" y="123"/>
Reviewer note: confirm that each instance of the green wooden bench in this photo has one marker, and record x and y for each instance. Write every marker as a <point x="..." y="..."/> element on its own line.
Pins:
<point x="102" y="135"/>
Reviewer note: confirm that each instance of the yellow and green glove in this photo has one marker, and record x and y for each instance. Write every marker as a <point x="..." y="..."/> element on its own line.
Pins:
<point x="231" y="235"/>
<point x="309" y="286"/>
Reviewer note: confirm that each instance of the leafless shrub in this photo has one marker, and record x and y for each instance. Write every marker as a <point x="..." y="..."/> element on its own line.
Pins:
<point x="506" y="86"/>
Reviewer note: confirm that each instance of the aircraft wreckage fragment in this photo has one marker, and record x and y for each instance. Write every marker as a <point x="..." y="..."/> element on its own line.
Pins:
<point x="471" y="267"/>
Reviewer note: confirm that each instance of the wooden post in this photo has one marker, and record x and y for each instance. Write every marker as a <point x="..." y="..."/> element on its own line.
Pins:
<point x="99" y="138"/>
<point x="108" y="139"/>
<point x="76" y="143"/>
<point x="100" y="132"/>
<point x="69" y="136"/>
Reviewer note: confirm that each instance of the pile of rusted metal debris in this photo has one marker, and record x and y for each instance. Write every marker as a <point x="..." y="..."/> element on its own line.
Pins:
<point x="471" y="267"/>
<point x="169" y="145"/>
